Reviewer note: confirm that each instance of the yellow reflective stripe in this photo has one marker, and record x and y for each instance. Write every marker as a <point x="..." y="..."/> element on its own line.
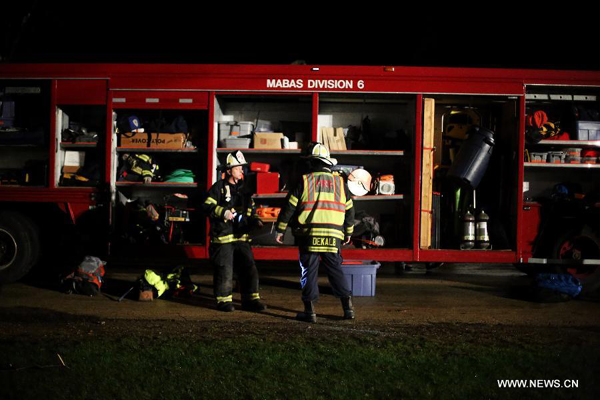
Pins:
<point x="323" y="232"/>
<point x="282" y="226"/>
<point x="254" y="296"/>
<point x="293" y="200"/>
<point x="350" y="230"/>
<point x="226" y="299"/>
<point x="210" y="200"/>
<point x="329" y="217"/>
<point x="144" y="157"/>
<point x="324" y="205"/>
<point x="230" y="239"/>
<point x="249" y="212"/>
<point x="219" y="211"/>
<point x="322" y="249"/>
<point x="349" y="204"/>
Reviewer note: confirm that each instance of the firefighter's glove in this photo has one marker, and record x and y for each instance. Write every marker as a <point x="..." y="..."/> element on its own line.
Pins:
<point x="279" y="238"/>
<point x="228" y="215"/>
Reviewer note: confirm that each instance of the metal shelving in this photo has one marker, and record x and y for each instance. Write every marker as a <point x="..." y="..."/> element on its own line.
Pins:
<point x="553" y="165"/>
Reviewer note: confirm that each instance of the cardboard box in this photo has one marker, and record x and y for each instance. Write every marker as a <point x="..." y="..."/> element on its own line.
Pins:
<point x="157" y="141"/>
<point x="74" y="158"/>
<point x="73" y="161"/>
<point x="267" y="140"/>
<point x="70" y="169"/>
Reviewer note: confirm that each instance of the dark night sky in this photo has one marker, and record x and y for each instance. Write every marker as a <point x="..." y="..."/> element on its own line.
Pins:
<point x="120" y="32"/>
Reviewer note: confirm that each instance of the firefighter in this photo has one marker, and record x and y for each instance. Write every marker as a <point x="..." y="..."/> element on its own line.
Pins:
<point x="325" y="216"/>
<point x="231" y="213"/>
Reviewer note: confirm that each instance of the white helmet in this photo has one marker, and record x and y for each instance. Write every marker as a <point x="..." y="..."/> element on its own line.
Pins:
<point x="321" y="153"/>
<point x="359" y="182"/>
<point x="235" y="159"/>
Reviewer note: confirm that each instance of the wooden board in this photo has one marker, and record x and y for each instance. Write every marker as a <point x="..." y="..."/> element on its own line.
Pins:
<point x="325" y="137"/>
<point x="333" y="138"/>
<point x="427" y="173"/>
<point x="339" y="139"/>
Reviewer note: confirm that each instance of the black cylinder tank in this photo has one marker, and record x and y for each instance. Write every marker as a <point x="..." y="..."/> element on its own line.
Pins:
<point x="473" y="158"/>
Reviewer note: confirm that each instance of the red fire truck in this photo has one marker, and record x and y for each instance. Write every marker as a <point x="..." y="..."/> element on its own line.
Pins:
<point x="71" y="137"/>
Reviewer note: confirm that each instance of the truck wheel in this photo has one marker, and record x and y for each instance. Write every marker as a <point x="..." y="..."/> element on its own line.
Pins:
<point x="19" y="245"/>
<point x="578" y="246"/>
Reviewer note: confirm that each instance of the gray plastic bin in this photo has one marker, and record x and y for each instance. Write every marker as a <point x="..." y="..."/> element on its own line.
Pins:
<point x="361" y="276"/>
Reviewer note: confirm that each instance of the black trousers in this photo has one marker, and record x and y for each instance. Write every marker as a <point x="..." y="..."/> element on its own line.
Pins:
<point x="229" y="257"/>
<point x="309" y="266"/>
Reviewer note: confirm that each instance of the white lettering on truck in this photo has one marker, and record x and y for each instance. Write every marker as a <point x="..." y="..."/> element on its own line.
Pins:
<point x="315" y="84"/>
<point x="285" y="83"/>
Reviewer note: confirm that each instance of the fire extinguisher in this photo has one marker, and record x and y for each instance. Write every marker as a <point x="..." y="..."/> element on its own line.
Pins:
<point x="468" y="237"/>
<point x="482" y="237"/>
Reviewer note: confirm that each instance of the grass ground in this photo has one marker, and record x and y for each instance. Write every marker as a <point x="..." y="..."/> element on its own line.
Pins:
<point x="297" y="362"/>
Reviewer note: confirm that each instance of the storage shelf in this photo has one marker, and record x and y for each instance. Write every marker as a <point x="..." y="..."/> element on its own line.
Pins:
<point x="270" y="196"/>
<point x="589" y="261"/>
<point x="333" y="152"/>
<point x="367" y="152"/>
<point x="162" y="185"/>
<point x="69" y="145"/>
<point x="361" y="198"/>
<point x="259" y="151"/>
<point x="379" y="197"/>
<point x="572" y="143"/>
<point x="153" y="150"/>
<point x="552" y="165"/>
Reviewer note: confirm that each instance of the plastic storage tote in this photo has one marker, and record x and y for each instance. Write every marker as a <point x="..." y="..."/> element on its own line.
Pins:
<point x="361" y="276"/>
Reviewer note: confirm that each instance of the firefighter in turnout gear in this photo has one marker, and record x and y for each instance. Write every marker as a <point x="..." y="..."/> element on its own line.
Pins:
<point x="231" y="213"/>
<point x="322" y="205"/>
<point x="138" y="168"/>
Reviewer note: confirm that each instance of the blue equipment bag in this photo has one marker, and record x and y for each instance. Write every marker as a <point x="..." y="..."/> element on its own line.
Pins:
<point x="561" y="283"/>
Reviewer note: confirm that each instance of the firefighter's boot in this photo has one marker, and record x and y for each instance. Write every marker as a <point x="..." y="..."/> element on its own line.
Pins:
<point x="253" y="305"/>
<point x="308" y="315"/>
<point x="347" y="307"/>
<point x="225" y="306"/>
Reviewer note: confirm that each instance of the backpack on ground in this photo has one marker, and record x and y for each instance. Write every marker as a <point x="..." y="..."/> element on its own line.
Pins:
<point x="87" y="278"/>
<point x="549" y="287"/>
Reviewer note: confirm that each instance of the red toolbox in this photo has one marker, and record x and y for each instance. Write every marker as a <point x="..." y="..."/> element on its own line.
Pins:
<point x="267" y="182"/>
<point x="260" y="167"/>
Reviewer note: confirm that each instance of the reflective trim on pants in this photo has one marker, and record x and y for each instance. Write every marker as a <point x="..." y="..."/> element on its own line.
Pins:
<point x="229" y="257"/>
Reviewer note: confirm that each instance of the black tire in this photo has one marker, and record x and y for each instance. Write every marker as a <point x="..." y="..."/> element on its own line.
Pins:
<point x="19" y="245"/>
<point x="430" y="266"/>
<point x="580" y="245"/>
